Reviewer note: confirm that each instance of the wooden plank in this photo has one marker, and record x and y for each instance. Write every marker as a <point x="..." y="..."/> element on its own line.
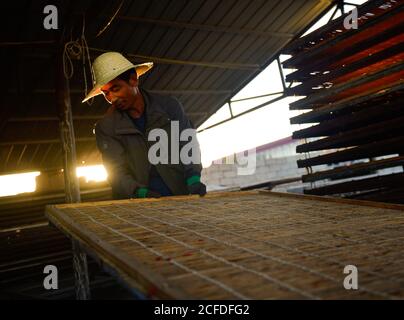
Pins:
<point x="310" y="81"/>
<point x="348" y="171"/>
<point x="271" y="184"/>
<point x="365" y="116"/>
<point x="328" y="30"/>
<point x="375" y="149"/>
<point x="367" y="134"/>
<point x="324" y="112"/>
<point x="356" y="40"/>
<point x="334" y="200"/>
<point x="394" y="195"/>
<point x="371" y="83"/>
<point x="340" y="58"/>
<point x="380" y="182"/>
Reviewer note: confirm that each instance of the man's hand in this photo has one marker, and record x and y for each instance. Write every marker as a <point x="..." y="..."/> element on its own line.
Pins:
<point x="195" y="186"/>
<point x="152" y="194"/>
<point x="146" y="193"/>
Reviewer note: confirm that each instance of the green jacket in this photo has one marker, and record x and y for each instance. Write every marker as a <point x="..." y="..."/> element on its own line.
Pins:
<point x="124" y="148"/>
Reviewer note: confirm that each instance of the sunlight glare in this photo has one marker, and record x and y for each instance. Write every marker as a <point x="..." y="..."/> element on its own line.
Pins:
<point x="95" y="173"/>
<point x="12" y="184"/>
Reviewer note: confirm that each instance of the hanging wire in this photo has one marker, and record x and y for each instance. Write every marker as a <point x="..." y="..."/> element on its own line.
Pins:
<point x="86" y="55"/>
<point x="71" y="50"/>
<point x="78" y="50"/>
<point x="110" y="20"/>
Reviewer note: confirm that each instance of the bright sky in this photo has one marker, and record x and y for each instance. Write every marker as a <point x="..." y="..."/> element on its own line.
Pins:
<point x="253" y="129"/>
<point x="256" y="128"/>
<point x="261" y="126"/>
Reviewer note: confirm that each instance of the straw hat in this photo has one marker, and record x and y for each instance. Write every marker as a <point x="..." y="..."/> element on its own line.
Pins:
<point x="110" y="65"/>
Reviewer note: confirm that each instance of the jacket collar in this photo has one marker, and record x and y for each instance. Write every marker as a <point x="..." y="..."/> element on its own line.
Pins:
<point x="155" y="117"/>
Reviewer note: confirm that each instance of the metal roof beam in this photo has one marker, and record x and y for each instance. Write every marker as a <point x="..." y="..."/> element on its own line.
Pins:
<point x="28" y="119"/>
<point x="160" y="60"/>
<point x="162" y="91"/>
<point x="208" y="28"/>
<point x="42" y="141"/>
<point x="26" y="43"/>
<point x="220" y="65"/>
<point x="196" y="91"/>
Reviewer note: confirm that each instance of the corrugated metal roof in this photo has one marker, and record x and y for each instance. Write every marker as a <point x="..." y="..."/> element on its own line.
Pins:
<point x="204" y="53"/>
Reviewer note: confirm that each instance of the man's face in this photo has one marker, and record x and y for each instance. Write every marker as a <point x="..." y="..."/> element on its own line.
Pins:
<point x="121" y="94"/>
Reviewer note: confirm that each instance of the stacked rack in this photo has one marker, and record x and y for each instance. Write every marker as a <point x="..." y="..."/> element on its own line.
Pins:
<point x="352" y="83"/>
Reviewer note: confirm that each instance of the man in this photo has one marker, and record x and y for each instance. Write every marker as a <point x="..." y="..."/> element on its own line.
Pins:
<point x="122" y="134"/>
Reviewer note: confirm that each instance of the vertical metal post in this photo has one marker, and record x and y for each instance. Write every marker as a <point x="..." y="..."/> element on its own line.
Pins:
<point x="281" y="73"/>
<point x="334" y="13"/>
<point x="342" y="7"/>
<point x="72" y="187"/>
<point x="231" y="110"/>
<point x="82" y="282"/>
